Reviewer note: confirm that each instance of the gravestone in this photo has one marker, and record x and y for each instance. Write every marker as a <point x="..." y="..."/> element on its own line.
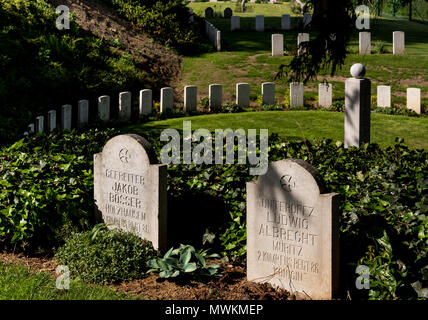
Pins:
<point x="277" y="45"/>
<point x="30" y="128"/>
<point x="384" y="96"/>
<point x="218" y="40"/>
<point x="104" y="108"/>
<point x="293" y="230"/>
<point x="325" y="95"/>
<point x="260" y="23"/>
<point x="215" y="96"/>
<point x="307" y="19"/>
<point x="51" y="120"/>
<point x="125" y="106"/>
<point x="285" y="22"/>
<point x="414" y="99"/>
<point x="82" y="113"/>
<point x="235" y="23"/>
<point x="268" y="93"/>
<point x="365" y="43"/>
<point x="398" y="40"/>
<point x="167" y="99"/>
<point x="40" y="124"/>
<point x="227" y="13"/>
<point x="190" y="98"/>
<point x="302" y="37"/>
<point x="243" y="94"/>
<point x="66" y="117"/>
<point x="357" y="107"/>
<point x="130" y="188"/>
<point x="296" y="94"/>
<point x="209" y="13"/>
<point x="146" y="102"/>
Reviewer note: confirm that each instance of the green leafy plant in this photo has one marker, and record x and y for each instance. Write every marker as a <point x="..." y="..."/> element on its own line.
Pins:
<point x="105" y="256"/>
<point x="184" y="261"/>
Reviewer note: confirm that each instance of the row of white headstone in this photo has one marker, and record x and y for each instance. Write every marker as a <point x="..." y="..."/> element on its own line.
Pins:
<point x="235" y="22"/>
<point x="398" y="42"/>
<point x="364" y="42"/>
<point x="325" y="99"/>
<point x="214" y="35"/>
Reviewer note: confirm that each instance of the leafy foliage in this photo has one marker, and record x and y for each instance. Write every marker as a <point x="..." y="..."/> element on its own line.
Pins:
<point x="45" y="183"/>
<point x="184" y="261"/>
<point x="105" y="256"/>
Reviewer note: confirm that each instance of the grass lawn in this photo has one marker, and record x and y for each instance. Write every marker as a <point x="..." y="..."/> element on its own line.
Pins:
<point x="18" y="283"/>
<point x="246" y="57"/>
<point x="295" y="125"/>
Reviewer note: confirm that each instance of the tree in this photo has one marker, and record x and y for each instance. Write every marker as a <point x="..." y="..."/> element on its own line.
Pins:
<point x="335" y="22"/>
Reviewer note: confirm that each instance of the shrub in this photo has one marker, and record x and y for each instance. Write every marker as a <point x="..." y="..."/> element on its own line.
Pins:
<point x="105" y="256"/>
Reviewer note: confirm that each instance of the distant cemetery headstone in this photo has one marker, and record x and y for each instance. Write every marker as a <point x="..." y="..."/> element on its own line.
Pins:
<point x="307" y="19"/>
<point x="227" y="13"/>
<point x="260" y="23"/>
<point x="209" y="12"/>
<point x="130" y="188"/>
<point x="302" y="37"/>
<point x="384" y="96"/>
<point x="325" y="95"/>
<point x="285" y="22"/>
<point x="365" y="42"/>
<point x="292" y="230"/>
<point x="277" y="45"/>
<point x="398" y="40"/>
<point x="296" y="94"/>
<point x="235" y="23"/>
<point x="414" y="99"/>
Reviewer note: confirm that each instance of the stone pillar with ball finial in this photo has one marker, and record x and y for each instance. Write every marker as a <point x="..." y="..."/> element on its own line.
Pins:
<point x="357" y="107"/>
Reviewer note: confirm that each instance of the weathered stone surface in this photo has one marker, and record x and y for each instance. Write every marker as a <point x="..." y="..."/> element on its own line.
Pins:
<point x="104" y="108"/>
<point x="82" y="113"/>
<point x="167" y="99"/>
<point x="325" y="95"/>
<point x="357" y="112"/>
<point x="227" y="13"/>
<point x="235" y="23"/>
<point x="398" y="40"/>
<point x="260" y="23"/>
<point x="268" y="93"/>
<point x="125" y="106"/>
<point x="146" y="102"/>
<point x="51" y="120"/>
<point x="292" y="230"/>
<point x="30" y="128"/>
<point x="243" y="94"/>
<point x="414" y="99"/>
<point x="215" y="96"/>
<point x="285" y="22"/>
<point x="66" y="117"/>
<point x="384" y="96"/>
<point x="218" y="40"/>
<point x="130" y="188"/>
<point x="277" y="45"/>
<point x="296" y="94"/>
<point x="190" y="98"/>
<point x="365" y="43"/>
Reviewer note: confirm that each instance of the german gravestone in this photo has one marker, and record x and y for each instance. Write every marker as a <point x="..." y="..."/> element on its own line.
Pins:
<point x="130" y="188"/>
<point x="292" y="230"/>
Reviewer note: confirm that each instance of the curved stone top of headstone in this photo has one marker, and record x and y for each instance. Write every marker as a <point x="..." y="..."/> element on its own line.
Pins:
<point x="227" y="13"/>
<point x="295" y="177"/>
<point x="130" y="149"/>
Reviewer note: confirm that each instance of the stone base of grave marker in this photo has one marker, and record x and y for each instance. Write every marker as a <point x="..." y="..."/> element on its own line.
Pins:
<point x="293" y="230"/>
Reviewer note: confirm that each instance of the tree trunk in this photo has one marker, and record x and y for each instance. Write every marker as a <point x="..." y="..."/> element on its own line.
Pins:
<point x="410" y="9"/>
